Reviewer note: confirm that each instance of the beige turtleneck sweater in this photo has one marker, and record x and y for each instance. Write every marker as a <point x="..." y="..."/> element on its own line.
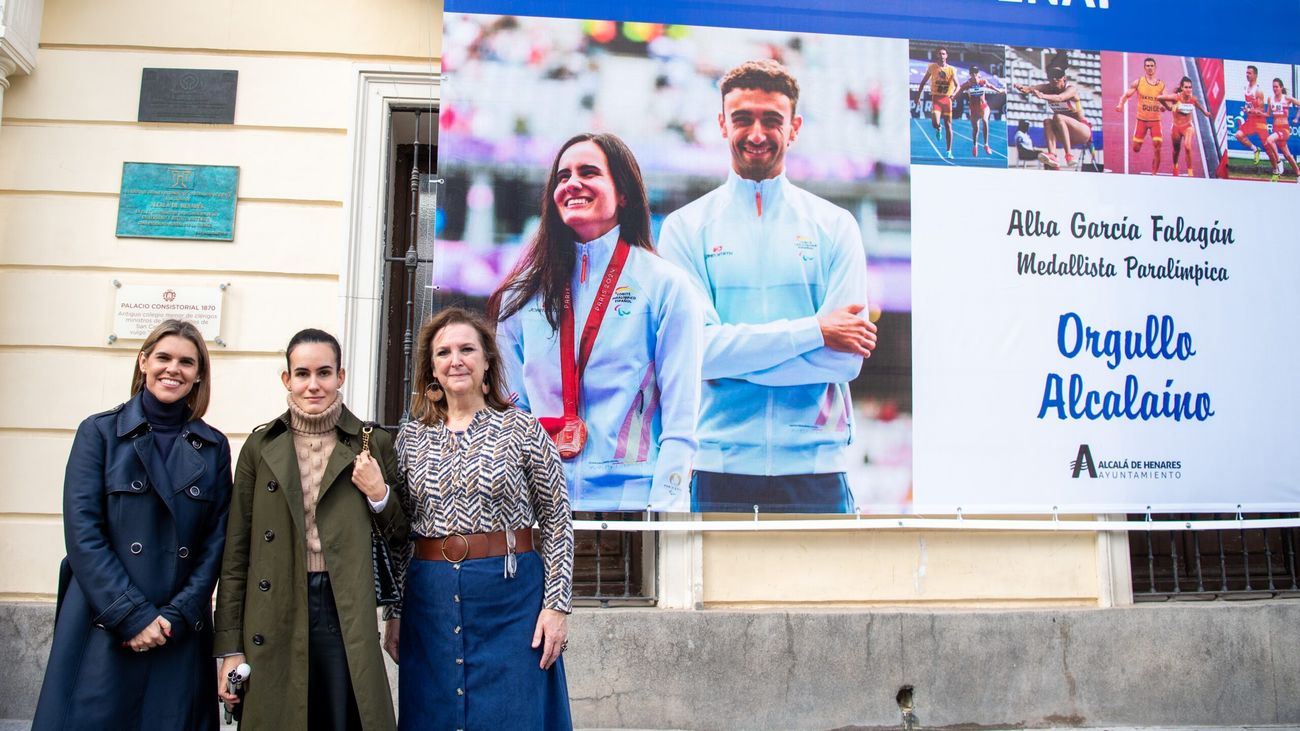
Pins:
<point x="314" y="438"/>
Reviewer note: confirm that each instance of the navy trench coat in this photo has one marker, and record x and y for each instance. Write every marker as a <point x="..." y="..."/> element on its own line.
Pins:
<point x="144" y="539"/>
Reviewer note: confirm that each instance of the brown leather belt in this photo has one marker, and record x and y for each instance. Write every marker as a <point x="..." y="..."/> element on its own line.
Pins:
<point x="459" y="547"/>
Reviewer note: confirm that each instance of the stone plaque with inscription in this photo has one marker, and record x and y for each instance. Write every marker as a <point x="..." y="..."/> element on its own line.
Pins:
<point x="164" y="201"/>
<point x="205" y="96"/>
<point x="140" y="307"/>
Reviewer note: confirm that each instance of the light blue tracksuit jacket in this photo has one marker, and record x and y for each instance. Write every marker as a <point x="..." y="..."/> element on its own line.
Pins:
<point x="640" y="392"/>
<point x="770" y="257"/>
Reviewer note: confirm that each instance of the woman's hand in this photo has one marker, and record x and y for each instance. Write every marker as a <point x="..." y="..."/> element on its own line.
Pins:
<point x="227" y="664"/>
<point x="368" y="478"/>
<point x="551" y="635"/>
<point x="155" y="635"/>
<point x="392" y="632"/>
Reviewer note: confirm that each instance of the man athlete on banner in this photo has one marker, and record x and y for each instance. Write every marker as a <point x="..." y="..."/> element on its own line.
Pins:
<point x="784" y="273"/>
<point x="1148" y="89"/>
<point x="1255" y="122"/>
<point x="943" y="87"/>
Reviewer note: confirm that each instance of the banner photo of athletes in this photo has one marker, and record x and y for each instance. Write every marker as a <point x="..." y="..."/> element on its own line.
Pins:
<point x="740" y="270"/>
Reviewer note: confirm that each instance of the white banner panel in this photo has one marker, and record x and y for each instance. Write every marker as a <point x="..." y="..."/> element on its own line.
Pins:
<point x="1103" y="343"/>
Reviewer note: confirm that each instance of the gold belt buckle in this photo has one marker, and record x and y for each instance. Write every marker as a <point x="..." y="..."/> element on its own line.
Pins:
<point x="463" y="555"/>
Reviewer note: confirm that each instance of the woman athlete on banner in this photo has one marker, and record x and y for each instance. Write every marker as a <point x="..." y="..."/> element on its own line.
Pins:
<point x="602" y="339"/>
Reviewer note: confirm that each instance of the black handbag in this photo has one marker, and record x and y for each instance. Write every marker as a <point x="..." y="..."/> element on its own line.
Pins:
<point x="387" y="592"/>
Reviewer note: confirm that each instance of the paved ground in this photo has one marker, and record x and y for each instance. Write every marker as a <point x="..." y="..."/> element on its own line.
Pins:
<point x="26" y="726"/>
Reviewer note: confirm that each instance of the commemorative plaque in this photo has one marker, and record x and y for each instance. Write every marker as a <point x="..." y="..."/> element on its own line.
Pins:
<point x="165" y="201"/>
<point x="139" y="308"/>
<point x="204" y="96"/>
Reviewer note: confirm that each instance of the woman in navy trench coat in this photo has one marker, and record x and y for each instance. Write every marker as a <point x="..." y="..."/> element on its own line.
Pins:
<point x="145" y="499"/>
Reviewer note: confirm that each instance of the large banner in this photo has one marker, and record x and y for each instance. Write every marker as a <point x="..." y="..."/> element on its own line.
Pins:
<point x="740" y="263"/>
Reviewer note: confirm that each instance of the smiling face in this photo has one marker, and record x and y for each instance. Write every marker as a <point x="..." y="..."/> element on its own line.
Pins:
<point x="459" y="363"/>
<point x="585" y="194"/>
<point x="171" y="369"/>
<point x="759" y="126"/>
<point x="314" y="377"/>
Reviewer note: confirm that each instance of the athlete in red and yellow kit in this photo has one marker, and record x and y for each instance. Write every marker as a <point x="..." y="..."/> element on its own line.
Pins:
<point x="1279" y="108"/>
<point x="1148" y="89"/>
<point x="943" y="87"/>
<point x="1183" y="132"/>
<point x="1256" y="121"/>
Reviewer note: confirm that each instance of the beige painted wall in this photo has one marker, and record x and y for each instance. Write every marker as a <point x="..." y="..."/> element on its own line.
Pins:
<point x="897" y="568"/>
<point x="407" y="29"/>
<point x="68" y="127"/>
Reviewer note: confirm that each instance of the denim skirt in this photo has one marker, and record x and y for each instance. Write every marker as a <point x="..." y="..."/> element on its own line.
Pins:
<point x="465" y="648"/>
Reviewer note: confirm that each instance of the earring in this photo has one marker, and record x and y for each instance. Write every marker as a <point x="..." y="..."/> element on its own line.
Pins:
<point x="434" y="391"/>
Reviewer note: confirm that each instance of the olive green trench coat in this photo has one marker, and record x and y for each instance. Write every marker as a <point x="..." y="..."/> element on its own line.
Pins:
<point x="262" y="597"/>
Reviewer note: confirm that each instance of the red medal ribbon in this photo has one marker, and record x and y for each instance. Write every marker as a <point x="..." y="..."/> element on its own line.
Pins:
<point x="569" y="433"/>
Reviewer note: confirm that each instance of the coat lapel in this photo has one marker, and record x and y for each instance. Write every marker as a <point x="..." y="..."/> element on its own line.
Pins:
<point x="153" y="466"/>
<point x="347" y="449"/>
<point x="278" y="454"/>
<point x="131" y="423"/>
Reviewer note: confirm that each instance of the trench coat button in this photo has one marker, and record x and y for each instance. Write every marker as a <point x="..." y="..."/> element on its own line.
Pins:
<point x="456" y="598"/>
<point x="136" y="548"/>
<point x="183" y="552"/>
<point x="457" y="630"/>
<point x="272" y="486"/>
<point x="264" y="585"/>
<point x="198" y="625"/>
<point x="460" y="661"/>
<point x="258" y="640"/>
<point x="137" y="485"/>
<point x="194" y="490"/>
<point x="196" y="443"/>
<point x="269" y="536"/>
<point x="460" y="691"/>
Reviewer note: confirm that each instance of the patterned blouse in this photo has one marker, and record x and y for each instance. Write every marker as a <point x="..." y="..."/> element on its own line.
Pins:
<point x="502" y="473"/>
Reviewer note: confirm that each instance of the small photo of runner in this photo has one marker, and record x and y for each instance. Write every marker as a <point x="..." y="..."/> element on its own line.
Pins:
<point x="1262" y="110"/>
<point x="1159" y="114"/>
<point x="1054" y="119"/>
<point x="958" y="107"/>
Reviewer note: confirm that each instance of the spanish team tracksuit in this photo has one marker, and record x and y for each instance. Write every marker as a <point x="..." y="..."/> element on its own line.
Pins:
<point x="770" y="257"/>
<point x="640" y="392"/>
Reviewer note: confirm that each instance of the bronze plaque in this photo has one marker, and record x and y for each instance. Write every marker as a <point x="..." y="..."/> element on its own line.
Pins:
<point x="204" y="96"/>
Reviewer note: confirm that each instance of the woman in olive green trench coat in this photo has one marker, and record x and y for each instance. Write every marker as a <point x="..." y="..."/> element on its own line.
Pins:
<point x="262" y="603"/>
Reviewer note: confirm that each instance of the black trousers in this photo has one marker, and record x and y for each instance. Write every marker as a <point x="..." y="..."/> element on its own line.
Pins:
<point x="812" y="493"/>
<point x="331" y="704"/>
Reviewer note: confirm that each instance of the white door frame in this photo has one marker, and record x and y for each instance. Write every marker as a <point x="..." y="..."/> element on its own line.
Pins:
<point x="379" y="91"/>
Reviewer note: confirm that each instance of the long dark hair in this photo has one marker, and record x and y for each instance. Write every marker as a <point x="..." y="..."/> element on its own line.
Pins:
<point x="429" y="410"/>
<point x="548" y="263"/>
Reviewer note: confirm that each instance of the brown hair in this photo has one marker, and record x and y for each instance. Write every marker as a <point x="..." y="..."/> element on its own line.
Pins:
<point x="197" y="401"/>
<point x="547" y="264"/>
<point x="430" y="411"/>
<point x="764" y="75"/>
